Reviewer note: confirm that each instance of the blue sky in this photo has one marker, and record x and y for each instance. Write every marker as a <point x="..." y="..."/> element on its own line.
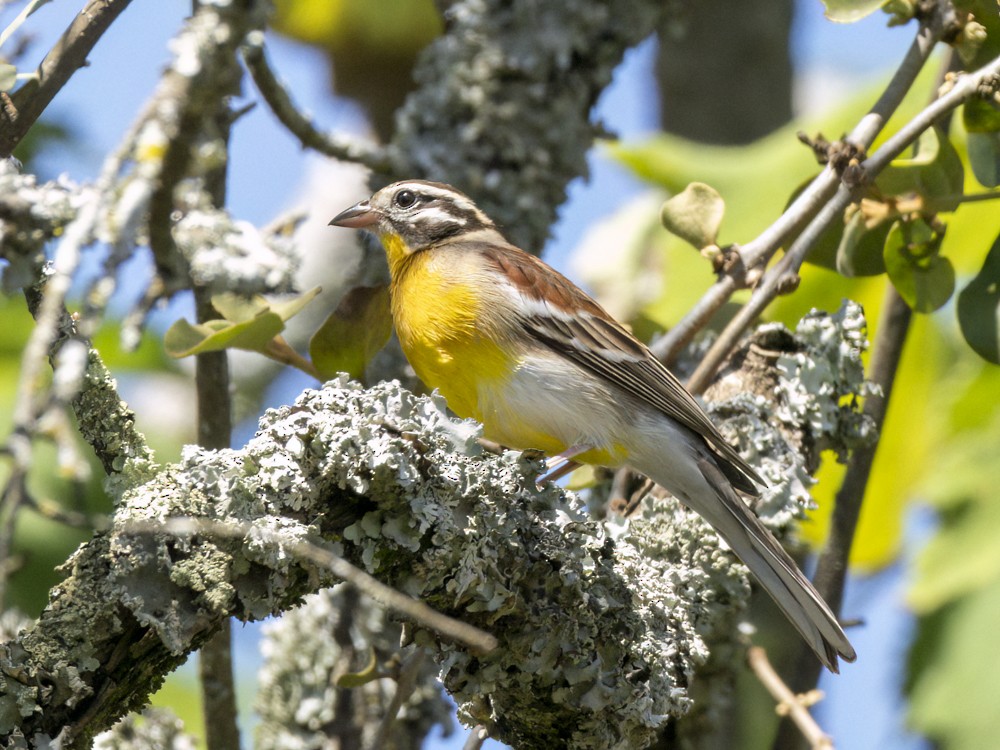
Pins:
<point x="862" y="710"/>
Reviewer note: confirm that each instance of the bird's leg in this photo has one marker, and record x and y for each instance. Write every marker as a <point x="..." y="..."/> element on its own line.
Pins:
<point x="556" y="467"/>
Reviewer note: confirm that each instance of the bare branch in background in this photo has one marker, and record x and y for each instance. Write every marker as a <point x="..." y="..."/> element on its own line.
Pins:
<point x="759" y="251"/>
<point x="274" y="92"/>
<point x="20" y="110"/>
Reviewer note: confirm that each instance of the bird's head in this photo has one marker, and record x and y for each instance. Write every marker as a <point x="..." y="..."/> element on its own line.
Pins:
<point x="415" y="214"/>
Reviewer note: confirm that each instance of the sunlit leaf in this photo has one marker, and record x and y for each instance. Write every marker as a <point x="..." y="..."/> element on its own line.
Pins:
<point x="694" y="215"/>
<point x="184" y="339"/>
<point x="249" y="323"/>
<point x="237" y="308"/>
<point x="353" y="333"/>
<point x="979" y="308"/>
<point x="924" y="278"/>
<point x="849" y="11"/>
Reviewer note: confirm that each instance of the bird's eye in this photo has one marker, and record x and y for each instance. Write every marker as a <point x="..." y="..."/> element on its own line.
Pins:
<point x="405" y="198"/>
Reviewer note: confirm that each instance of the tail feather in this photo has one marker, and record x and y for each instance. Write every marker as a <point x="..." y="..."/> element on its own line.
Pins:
<point x="770" y="564"/>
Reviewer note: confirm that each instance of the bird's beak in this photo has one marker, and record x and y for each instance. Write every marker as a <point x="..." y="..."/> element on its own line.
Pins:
<point x="356" y="217"/>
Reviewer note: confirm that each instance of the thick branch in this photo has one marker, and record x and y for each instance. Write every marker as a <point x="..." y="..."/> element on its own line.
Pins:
<point x="405" y="492"/>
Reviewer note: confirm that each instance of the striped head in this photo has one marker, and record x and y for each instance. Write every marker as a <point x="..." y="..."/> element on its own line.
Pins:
<point x="415" y="215"/>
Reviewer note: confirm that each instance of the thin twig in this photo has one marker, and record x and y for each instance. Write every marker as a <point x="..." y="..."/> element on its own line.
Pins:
<point x="785" y="274"/>
<point x="406" y="683"/>
<point x="298" y="124"/>
<point x="25" y="105"/>
<point x="758" y="251"/>
<point x="789" y="703"/>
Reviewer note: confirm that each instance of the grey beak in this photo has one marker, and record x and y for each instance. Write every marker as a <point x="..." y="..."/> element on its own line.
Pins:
<point x="356" y="217"/>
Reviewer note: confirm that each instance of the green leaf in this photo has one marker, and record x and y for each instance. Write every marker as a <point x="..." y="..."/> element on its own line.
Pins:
<point x="860" y="250"/>
<point x="923" y="278"/>
<point x="982" y="124"/>
<point x="979" y="308"/>
<point x="981" y="116"/>
<point x="984" y="157"/>
<point x="694" y="215"/>
<point x="249" y="323"/>
<point x="184" y="339"/>
<point x="953" y="666"/>
<point x="237" y="309"/>
<point x="933" y="169"/>
<point x="354" y="332"/>
<point x="8" y="76"/>
<point x="849" y="11"/>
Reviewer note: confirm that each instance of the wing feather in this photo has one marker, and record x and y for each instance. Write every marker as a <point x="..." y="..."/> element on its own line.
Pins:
<point x="563" y="318"/>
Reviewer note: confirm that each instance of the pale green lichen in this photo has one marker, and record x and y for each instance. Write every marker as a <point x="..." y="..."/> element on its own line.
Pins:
<point x="502" y="110"/>
<point x="601" y="631"/>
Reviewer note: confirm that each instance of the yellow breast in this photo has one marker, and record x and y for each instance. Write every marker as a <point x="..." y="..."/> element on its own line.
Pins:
<point x="438" y="320"/>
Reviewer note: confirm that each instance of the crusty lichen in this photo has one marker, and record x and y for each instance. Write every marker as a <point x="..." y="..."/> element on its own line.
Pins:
<point x="601" y="629"/>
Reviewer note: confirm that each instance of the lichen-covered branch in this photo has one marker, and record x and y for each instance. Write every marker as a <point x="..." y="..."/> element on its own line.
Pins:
<point x="600" y="630"/>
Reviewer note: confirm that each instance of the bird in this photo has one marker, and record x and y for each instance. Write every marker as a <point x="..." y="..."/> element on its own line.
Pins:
<point x="514" y="344"/>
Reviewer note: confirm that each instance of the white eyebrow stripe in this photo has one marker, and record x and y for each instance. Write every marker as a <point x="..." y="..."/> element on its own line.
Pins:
<point x="436" y="214"/>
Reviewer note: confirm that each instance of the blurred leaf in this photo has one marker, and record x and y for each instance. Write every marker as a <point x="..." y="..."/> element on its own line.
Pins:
<point x="963" y="556"/>
<point x="695" y="215"/>
<point x="981" y="116"/>
<point x="395" y="27"/>
<point x="984" y="157"/>
<point x="353" y="333"/>
<point x="860" y="252"/>
<point x="250" y="323"/>
<point x="953" y="672"/>
<point x="979" y="308"/>
<point x="981" y="119"/>
<point x="923" y="278"/>
<point x="933" y="170"/>
<point x="849" y="11"/>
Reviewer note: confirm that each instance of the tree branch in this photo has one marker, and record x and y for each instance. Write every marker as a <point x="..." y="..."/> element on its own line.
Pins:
<point x="784" y="275"/>
<point x="298" y="124"/>
<point x="22" y="108"/>
<point x="789" y="704"/>
<point x="757" y="252"/>
<point x="831" y="572"/>
<point x="407" y="493"/>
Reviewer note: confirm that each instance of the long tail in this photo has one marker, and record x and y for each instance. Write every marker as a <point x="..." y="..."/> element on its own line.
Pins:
<point x="772" y="566"/>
